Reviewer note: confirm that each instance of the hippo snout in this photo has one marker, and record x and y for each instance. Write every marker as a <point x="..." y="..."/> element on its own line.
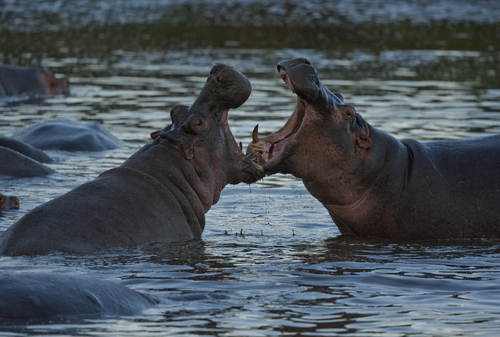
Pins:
<point x="302" y="78"/>
<point x="235" y="88"/>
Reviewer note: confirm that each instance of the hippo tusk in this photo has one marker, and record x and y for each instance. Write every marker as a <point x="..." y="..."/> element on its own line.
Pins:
<point x="255" y="134"/>
<point x="270" y="154"/>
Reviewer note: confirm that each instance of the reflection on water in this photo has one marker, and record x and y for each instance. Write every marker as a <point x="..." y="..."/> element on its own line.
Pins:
<point x="271" y="261"/>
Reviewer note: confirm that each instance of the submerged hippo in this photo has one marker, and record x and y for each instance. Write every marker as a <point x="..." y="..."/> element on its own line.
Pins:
<point x="17" y="165"/>
<point x="160" y="194"/>
<point x="8" y="202"/>
<point x="21" y="160"/>
<point x="16" y="80"/>
<point x="25" y="149"/>
<point x="31" y="295"/>
<point x="371" y="183"/>
<point x="67" y="135"/>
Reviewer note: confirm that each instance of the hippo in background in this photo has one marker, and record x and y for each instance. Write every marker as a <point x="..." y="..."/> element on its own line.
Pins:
<point x="374" y="185"/>
<point x="15" y="80"/>
<point x="17" y="165"/>
<point x="21" y="160"/>
<point x="8" y="202"/>
<point x="67" y="135"/>
<point x="21" y="156"/>
<point x="160" y="194"/>
<point x="25" y="149"/>
<point x="48" y="296"/>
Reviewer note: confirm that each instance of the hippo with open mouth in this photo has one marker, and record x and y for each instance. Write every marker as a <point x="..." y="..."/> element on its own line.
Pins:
<point x="160" y="194"/>
<point x="374" y="185"/>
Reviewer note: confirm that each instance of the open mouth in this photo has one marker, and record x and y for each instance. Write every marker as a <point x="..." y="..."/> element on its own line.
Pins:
<point x="264" y="150"/>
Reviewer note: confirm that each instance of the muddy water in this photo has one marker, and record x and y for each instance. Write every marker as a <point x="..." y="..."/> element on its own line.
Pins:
<point x="270" y="262"/>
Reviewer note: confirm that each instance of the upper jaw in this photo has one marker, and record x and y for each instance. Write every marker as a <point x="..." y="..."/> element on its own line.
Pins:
<point x="246" y="170"/>
<point x="313" y="98"/>
<point x="302" y="78"/>
<point x="272" y="151"/>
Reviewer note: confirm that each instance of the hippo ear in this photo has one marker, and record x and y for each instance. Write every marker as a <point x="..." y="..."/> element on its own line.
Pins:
<point x="187" y="148"/>
<point x="339" y="96"/>
<point x="155" y="134"/>
<point x="177" y="112"/>
<point x="362" y="132"/>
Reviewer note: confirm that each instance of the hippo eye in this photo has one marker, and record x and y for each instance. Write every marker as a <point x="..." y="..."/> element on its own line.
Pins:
<point x="348" y="113"/>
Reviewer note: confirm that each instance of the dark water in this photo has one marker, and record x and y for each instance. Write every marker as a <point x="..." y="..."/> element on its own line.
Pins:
<point x="428" y="70"/>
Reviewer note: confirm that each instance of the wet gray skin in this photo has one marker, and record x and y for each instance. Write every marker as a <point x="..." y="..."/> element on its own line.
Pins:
<point x="17" y="165"/>
<point x="25" y="149"/>
<point x="160" y="194"/>
<point x="44" y="296"/>
<point x="373" y="184"/>
<point x="67" y="135"/>
<point x="16" y="80"/>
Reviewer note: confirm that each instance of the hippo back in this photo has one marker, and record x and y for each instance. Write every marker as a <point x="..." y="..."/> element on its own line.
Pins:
<point x="30" y="295"/>
<point x="15" y="164"/>
<point x="19" y="80"/>
<point x="122" y="207"/>
<point x="25" y="149"/>
<point x="66" y="135"/>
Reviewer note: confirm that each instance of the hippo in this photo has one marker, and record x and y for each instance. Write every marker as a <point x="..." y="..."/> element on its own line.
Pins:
<point x="38" y="295"/>
<point x="8" y="202"/>
<point x="17" y="165"/>
<point x="25" y="149"/>
<point x="160" y="194"/>
<point x="15" y="80"/>
<point x="374" y="185"/>
<point x="67" y="135"/>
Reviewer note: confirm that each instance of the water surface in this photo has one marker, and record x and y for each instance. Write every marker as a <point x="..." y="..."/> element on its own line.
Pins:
<point x="270" y="261"/>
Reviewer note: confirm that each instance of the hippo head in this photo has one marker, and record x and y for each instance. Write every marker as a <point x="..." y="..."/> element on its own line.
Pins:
<point x="53" y="85"/>
<point x="201" y="131"/>
<point x="8" y="202"/>
<point x="321" y="132"/>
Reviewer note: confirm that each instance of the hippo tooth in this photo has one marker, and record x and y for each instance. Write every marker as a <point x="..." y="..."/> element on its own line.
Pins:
<point x="255" y="134"/>
<point x="256" y="158"/>
<point x="257" y="148"/>
<point x="270" y="154"/>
